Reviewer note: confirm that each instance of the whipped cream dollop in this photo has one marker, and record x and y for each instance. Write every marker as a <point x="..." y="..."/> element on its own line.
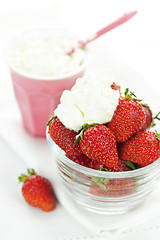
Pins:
<point x="91" y="100"/>
<point x="43" y="54"/>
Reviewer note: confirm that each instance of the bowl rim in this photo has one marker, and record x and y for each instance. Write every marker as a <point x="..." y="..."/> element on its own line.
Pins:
<point x="97" y="173"/>
<point x="18" y="36"/>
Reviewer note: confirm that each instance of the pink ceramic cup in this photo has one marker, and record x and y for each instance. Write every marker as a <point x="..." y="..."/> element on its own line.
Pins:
<point x="37" y="97"/>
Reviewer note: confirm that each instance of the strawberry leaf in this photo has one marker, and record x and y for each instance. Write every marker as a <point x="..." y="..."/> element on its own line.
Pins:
<point x="82" y="133"/>
<point x="77" y="139"/>
<point x="31" y="171"/>
<point x="131" y="165"/>
<point x="100" y="182"/>
<point x="131" y="95"/>
<point x="50" y="120"/>
<point x="85" y="127"/>
<point x="158" y="136"/>
<point x="126" y="92"/>
<point x="23" y="177"/>
<point x="119" y="87"/>
<point x="153" y="120"/>
<point x="157" y="116"/>
<point x="145" y="105"/>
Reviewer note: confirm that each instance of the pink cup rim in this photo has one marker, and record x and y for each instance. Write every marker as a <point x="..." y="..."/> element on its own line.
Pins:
<point x="18" y="36"/>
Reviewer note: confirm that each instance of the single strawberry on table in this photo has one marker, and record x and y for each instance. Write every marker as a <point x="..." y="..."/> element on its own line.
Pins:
<point x="63" y="137"/>
<point x="99" y="144"/>
<point x="128" y="117"/>
<point x="38" y="191"/>
<point x="143" y="148"/>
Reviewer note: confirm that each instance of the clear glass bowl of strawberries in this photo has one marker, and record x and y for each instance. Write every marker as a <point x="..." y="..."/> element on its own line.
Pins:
<point x="109" y="167"/>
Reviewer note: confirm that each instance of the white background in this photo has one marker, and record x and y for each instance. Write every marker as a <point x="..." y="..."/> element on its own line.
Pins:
<point x="137" y="42"/>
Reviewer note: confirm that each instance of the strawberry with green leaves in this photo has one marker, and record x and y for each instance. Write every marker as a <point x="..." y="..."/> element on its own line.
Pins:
<point x="99" y="144"/>
<point x="38" y="191"/>
<point x="128" y="117"/>
<point x="143" y="148"/>
<point x="63" y="137"/>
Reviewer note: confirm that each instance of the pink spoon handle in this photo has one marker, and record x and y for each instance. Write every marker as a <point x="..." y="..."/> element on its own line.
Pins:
<point x="119" y="21"/>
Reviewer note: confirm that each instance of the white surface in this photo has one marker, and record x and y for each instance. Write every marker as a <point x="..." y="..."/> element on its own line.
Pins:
<point x="136" y="42"/>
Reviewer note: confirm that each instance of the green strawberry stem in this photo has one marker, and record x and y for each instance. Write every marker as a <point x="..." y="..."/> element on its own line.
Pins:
<point x="145" y="105"/>
<point x="50" y="120"/>
<point x="127" y="94"/>
<point x="23" y="177"/>
<point x="119" y="87"/>
<point x="101" y="182"/>
<point x="157" y="116"/>
<point x="130" y="165"/>
<point x="31" y="172"/>
<point x="131" y="95"/>
<point x="84" y="128"/>
<point x="153" y="120"/>
<point x="158" y="136"/>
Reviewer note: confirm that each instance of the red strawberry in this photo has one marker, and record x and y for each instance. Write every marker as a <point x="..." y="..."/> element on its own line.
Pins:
<point x="127" y="119"/>
<point x="113" y="187"/>
<point x="115" y="87"/>
<point x="63" y="137"/>
<point x="143" y="148"/>
<point x="127" y="169"/>
<point x="86" y="162"/>
<point x="148" y="118"/>
<point x="38" y="191"/>
<point x="99" y="144"/>
<point x="119" y="167"/>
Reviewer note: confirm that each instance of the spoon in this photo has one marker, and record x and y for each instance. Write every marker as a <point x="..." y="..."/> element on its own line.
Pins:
<point x="116" y="23"/>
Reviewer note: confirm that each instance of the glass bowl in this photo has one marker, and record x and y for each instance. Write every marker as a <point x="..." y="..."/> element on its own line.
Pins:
<point x="101" y="191"/>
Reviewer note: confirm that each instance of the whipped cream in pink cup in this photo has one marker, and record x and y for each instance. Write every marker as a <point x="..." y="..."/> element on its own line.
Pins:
<point x="40" y="73"/>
